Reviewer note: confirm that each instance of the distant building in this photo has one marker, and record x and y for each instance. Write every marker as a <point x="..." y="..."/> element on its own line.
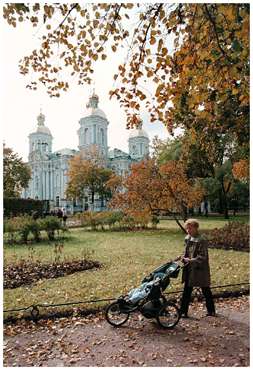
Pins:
<point x="49" y="169"/>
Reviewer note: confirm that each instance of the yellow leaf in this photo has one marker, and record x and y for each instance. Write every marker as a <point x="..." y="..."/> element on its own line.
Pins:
<point x="152" y="41"/>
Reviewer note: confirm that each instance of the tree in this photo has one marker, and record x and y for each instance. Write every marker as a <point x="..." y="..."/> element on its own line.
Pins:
<point x="85" y="175"/>
<point x="212" y="165"/>
<point x="194" y="57"/>
<point x="154" y="189"/>
<point x="16" y="174"/>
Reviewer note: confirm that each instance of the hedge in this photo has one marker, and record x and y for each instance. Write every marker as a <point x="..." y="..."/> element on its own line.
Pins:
<point x="18" y="206"/>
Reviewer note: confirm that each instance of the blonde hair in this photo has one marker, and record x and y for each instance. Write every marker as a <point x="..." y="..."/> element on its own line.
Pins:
<point x="191" y="221"/>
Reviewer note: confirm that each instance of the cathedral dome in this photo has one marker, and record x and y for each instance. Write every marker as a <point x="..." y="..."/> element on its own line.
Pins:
<point x="92" y="107"/>
<point x="41" y="128"/>
<point x="138" y="132"/>
<point x="94" y="112"/>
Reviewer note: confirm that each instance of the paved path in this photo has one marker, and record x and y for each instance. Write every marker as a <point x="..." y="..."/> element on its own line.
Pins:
<point x="200" y="341"/>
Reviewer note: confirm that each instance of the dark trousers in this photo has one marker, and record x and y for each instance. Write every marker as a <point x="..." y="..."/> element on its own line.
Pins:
<point x="187" y="297"/>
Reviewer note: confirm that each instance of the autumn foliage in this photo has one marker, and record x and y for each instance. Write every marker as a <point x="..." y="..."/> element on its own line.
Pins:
<point x="87" y="176"/>
<point x="241" y="170"/>
<point x="151" y="189"/>
<point x="194" y="57"/>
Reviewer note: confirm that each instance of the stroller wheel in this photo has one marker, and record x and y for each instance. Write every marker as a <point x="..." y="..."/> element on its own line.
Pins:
<point x="114" y="315"/>
<point x="168" y="316"/>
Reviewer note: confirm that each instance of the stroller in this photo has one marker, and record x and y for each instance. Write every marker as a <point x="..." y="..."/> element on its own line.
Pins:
<point x="148" y="299"/>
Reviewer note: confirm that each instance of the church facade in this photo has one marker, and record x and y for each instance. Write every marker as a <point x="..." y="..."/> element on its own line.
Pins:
<point x="49" y="169"/>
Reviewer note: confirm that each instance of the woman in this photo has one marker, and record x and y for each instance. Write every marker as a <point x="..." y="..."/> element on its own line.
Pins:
<point x="196" y="272"/>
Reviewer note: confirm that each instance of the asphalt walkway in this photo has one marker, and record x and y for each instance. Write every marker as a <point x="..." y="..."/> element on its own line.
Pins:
<point x="91" y="341"/>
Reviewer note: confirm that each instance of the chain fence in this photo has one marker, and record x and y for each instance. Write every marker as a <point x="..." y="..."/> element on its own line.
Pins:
<point x="197" y="293"/>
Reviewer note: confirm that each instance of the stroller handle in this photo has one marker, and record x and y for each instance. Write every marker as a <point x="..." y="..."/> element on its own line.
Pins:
<point x="179" y="259"/>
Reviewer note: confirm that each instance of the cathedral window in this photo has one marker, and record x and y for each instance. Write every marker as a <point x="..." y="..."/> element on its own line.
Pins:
<point x="141" y="149"/>
<point x="57" y="201"/>
<point x="102" y="136"/>
<point x="94" y="134"/>
<point x="86" y="140"/>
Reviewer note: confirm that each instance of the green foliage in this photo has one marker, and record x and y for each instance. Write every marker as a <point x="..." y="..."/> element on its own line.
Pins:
<point x="114" y="217"/>
<point x="234" y="235"/>
<point x="25" y="226"/>
<point x="18" y="206"/>
<point x="51" y="224"/>
<point x="16" y="174"/>
<point x="11" y="228"/>
<point x="167" y="150"/>
<point x="239" y="196"/>
<point x="21" y="227"/>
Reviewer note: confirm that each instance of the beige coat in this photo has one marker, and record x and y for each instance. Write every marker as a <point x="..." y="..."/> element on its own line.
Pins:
<point x="197" y="273"/>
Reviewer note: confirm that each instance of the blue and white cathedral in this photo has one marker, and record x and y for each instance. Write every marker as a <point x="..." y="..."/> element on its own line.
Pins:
<point x="50" y="169"/>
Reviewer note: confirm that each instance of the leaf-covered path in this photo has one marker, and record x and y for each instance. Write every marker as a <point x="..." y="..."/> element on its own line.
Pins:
<point x="91" y="341"/>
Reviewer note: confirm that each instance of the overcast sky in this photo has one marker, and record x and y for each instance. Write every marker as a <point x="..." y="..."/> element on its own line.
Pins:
<point x="20" y="106"/>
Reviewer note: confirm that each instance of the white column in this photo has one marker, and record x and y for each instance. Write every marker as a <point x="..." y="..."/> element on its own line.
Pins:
<point x="48" y="186"/>
<point x="44" y="184"/>
<point x="40" y="185"/>
<point x="62" y="184"/>
<point x="52" y="184"/>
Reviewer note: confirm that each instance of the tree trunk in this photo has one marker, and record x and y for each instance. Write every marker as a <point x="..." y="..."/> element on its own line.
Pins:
<point x="185" y="213"/>
<point x="225" y="202"/>
<point x="179" y="224"/>
<point x="92" y="199"/>
<point x="220" y="210"/>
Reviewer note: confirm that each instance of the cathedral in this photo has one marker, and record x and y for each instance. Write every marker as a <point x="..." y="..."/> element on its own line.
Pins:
<point x="49" y="169"/>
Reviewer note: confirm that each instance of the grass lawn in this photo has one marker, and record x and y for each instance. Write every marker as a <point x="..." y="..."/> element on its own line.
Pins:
<point x="127" y="257"/>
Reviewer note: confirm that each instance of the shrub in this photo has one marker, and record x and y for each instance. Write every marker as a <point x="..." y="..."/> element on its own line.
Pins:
<point x="89" y="218"/>
<point x="234" y="235"/>
<point x="35" y="228"/>
<point x="127" y="222"/>
<point x="25" y="228"/>
<point x="17" y="227"/>
<point x="142" y="218"/>
<point x="21" y="226"/>
<point x="10" y="230"/>
<point x="114" y="217"/>
<point x="51" y="224"/>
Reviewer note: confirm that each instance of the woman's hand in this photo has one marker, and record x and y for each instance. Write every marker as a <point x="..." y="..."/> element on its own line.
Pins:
<point x="186" y="260"/>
